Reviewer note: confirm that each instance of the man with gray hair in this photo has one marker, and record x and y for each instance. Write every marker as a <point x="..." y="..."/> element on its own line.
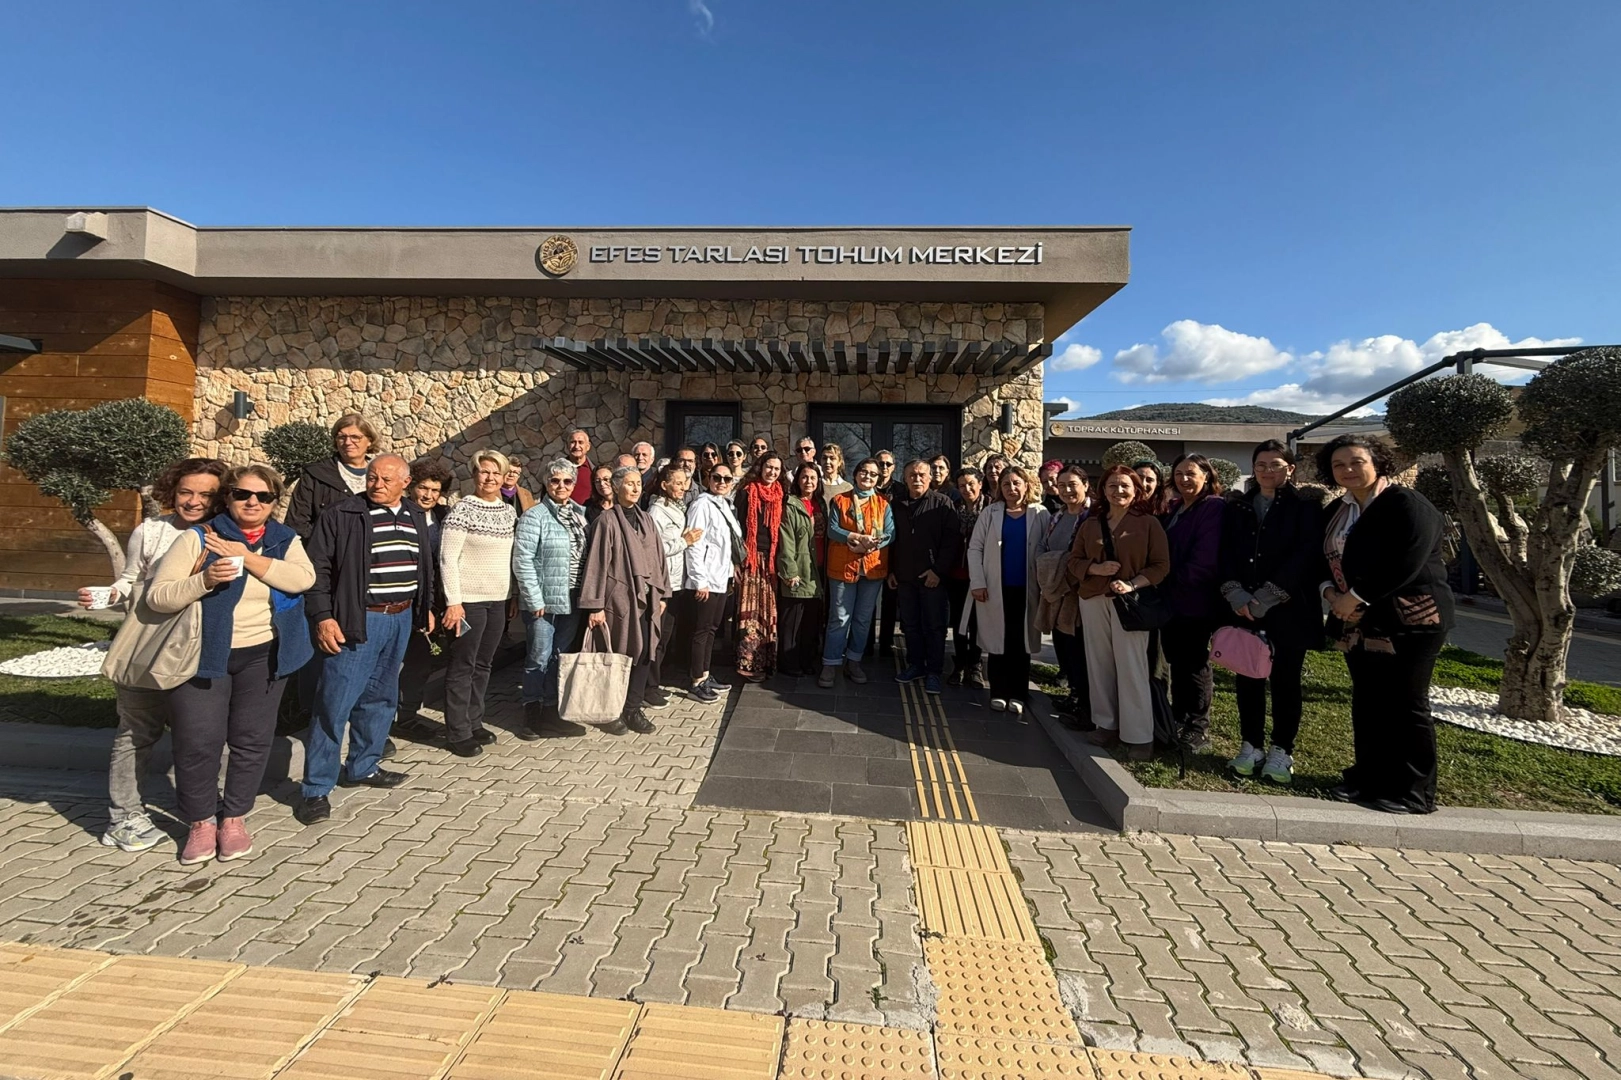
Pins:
<point x="373" y="587"/>
<point x="643" y="453"/>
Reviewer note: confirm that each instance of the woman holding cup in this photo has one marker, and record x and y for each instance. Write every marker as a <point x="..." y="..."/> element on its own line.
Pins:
<point x="248" y="572"/>
<point x="189" y="489"/>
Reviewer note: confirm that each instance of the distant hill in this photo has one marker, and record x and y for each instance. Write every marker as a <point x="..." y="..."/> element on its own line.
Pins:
<point x="1193" y="412"/>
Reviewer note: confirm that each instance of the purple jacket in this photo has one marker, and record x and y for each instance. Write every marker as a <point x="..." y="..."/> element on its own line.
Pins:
<point x="1193" y="587"/>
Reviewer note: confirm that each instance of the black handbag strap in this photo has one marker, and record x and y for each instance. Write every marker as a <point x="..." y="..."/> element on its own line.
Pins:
<point x="1108" y="537"/>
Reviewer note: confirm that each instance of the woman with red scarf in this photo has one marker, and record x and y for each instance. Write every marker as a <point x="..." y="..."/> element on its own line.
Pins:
<point x="759" y="512"/>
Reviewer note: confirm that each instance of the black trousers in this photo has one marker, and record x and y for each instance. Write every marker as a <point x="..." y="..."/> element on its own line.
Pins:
<point x="1071" y="652"/>
<point x="706" y="619"/>
<point x="667" y="630"/>
<point x="419" y="664"/>
<point x="1287" y="664"/>
<point x="1187" y="648"/>
<point x="467" y="676"/>
<point x="924" y="612"/>
<point x="207" y="715"/>
<point x="1008" y="672"/>
<point x="888" y="612"/>
<point x="800" y="622"/>
<point x="1391" y="724"/>
<point x="964" y="647"/>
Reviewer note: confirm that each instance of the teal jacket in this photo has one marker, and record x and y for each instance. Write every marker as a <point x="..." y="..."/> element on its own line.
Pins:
<point x="541" y="556"/>
<point x="796" y="552"/>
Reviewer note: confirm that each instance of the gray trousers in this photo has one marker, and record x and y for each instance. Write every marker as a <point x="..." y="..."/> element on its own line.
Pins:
<point x="142" y="716"/>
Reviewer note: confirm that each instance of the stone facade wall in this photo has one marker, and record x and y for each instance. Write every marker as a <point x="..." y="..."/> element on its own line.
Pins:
<point x="450" y="375"/>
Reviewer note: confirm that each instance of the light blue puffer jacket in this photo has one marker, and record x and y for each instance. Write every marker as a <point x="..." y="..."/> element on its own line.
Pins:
<point x="540" y="556"/>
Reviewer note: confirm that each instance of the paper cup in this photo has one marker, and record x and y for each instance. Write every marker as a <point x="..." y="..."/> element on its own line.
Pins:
<point x="235" y="563"/>
<point x="101" y="596"/>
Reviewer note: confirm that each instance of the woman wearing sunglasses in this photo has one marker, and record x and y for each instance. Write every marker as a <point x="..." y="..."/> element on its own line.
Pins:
<point x="247" y="570"/>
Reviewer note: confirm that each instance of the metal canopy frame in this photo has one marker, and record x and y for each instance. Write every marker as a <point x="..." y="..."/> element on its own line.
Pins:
<point x="636" y="355"/>
<point x="1464" y="362"/>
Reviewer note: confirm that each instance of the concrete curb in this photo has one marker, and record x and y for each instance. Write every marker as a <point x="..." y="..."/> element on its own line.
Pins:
<point x="1136" y="808"/>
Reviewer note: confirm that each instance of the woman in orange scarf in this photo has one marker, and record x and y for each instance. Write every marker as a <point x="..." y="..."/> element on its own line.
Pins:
<point x="759" y="512"/>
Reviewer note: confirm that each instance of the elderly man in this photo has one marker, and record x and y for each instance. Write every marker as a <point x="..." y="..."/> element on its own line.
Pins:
<point x="926" y="548"/>
<point x="804" y="452"/>
<point x="373" y="587"/>
<point x="578" y="453"/>
<point x="643" y="454"/>
<point x="624" y="585"/>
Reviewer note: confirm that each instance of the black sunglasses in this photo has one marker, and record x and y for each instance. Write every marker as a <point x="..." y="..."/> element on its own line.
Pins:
<point x="250" y="495"/>
<point x="718" y="478"/>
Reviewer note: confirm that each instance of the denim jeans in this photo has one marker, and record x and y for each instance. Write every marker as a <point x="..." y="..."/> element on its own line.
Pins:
<point x="142" y="716"/>
<point x="850" y="606"/>
<point x="359" y="688"/>
<point x="923" y="613"/>
<point x="548" y="635"/>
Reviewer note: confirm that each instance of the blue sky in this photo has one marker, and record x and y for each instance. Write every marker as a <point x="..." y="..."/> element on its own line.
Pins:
<point x="1318" y="191"/>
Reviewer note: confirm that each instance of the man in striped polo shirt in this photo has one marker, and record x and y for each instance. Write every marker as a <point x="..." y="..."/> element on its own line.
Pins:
<point x="373" y="589"/>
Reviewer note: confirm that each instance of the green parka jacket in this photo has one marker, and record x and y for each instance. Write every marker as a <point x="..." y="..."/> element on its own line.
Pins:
<point x="796" y="551"/>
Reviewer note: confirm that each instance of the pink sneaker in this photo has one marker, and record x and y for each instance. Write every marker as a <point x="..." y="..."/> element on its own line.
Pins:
<point x="200" y="844"/>
<point x="234" y="839"/>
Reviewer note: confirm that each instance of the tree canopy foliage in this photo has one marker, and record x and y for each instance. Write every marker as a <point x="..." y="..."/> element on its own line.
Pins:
<point x="294" y="446"/>
<point x="82" y="456"/>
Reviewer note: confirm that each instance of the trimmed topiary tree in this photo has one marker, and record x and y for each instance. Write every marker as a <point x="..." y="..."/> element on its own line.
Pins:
<point x="1227" y="472"/>
<point x="1129" y="452"/>
<point x="83" y="456"/>
<point x="1596" y="572"/>
<point x="1526" y="547"/>
<point x="294" y="446"/>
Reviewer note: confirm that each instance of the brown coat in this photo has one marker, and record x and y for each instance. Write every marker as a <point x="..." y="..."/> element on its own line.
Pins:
<point x="1139" y="544"/>
<point x="625" y="573"/>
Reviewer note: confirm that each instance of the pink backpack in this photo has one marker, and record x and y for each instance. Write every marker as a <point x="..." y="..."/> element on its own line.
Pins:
<point x="1243" y="652"/>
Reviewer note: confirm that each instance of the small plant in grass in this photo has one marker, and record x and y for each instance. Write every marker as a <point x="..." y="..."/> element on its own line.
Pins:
<point x="83" y="456"/>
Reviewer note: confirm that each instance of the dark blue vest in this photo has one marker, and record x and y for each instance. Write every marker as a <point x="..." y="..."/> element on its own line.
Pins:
<point x="293" y="645"/>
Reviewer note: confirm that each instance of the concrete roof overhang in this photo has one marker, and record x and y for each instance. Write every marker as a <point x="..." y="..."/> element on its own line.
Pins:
<point x="1068" y="269"/>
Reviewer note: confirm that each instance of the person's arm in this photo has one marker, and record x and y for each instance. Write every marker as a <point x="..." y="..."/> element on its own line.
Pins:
<point x="452" y="539"/>
<point x="525" y="541"/>
<point x="1080" y="557"/>
<point x="134" y="560"/>
<point x="173" y="586"/>
<point x="292" y="573"/>
<point x="1158" y="565"/>
<point x="322" y="554"/>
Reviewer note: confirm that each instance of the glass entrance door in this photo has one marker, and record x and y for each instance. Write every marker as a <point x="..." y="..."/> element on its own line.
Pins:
<point x="910" y="431"/>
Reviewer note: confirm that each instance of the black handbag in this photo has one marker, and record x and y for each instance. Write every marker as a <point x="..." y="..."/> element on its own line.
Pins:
<point x="1140" y="609"/>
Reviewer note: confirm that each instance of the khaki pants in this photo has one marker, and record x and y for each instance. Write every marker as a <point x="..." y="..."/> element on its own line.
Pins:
<point x="1117" y="669"/>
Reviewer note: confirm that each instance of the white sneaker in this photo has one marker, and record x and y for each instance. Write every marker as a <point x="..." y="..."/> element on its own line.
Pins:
<point x="998" y="704"/>
<point x="1279" y="767"/>
<point x="1015" y="707"/>
<point x="134" y="833"/>
<point x="1246" y="761"/>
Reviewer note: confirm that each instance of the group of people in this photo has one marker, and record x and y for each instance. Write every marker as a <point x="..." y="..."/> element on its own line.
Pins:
<point x="795" y="562"/>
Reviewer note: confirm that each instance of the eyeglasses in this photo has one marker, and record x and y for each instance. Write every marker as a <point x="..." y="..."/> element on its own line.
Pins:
<point x="711" y="453"/>
<point x="867" y="473"/>
<point x="250" y="495"/>
<point x="882" y="464"/>
<point x="1271" y="466"/>
<point x="351" y="438"/>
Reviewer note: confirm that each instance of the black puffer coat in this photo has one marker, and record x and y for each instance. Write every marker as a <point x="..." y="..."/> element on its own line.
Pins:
<point x="1285" y="549"/>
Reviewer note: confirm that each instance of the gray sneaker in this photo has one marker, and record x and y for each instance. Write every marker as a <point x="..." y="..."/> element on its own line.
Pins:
<point x="1279" y="767"/>
<point x="134" y="833"/>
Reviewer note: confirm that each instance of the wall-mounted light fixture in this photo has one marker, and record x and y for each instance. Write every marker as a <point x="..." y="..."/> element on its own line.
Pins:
<point x="634" y="414"/>
<point x="241" y="407"/>
<point x="1007" y="418"/>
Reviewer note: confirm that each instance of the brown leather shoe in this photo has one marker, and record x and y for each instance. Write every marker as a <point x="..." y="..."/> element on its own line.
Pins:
<point x="1104" y="737"/>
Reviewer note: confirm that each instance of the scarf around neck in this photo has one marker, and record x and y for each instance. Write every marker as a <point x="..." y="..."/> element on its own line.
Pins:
<point x="765" y="500"/>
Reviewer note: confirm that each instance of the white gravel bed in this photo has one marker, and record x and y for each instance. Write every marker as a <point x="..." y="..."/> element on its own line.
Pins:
<point x="1592" y="732"/>
<point x="68" y="662"/>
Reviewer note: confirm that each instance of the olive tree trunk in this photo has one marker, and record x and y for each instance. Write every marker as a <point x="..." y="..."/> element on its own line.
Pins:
<point x="1529" y="563"/>
<point x="115" y="550"/>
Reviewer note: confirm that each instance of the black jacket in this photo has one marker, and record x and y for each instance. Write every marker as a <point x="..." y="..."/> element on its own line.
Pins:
<point x="1286" y="549"/>
<point x="319" y="487"/>
<point x="340" y="551"/>
<point x="928" y="536"/>
<point x="1393" y="562"/>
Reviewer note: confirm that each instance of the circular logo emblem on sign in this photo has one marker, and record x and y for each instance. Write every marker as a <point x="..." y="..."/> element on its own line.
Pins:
<point x="556" y="255"/>
<point x="1056" y="430"/>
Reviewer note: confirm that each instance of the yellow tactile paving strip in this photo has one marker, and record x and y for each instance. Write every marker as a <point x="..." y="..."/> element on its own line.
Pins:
<point x="550" y="1035"/>
<point x="942" y="784"/>
<point x="1123" y="1065"/>
<point x="31" y="978"/>
<point x="999" y="990"/>
<point x="397" y="1030"/>
<point x="964" y="885"/>
<point x="675" y="1042"/>
<point x="964" y="1057"/>
<point x="822" y="1050"/>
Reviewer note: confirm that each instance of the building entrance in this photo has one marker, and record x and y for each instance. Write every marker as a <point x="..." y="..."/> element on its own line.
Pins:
<point x="910" y="431"/>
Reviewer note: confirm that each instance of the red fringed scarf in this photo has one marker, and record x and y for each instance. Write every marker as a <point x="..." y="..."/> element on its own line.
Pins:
<point x="769" y="496"/>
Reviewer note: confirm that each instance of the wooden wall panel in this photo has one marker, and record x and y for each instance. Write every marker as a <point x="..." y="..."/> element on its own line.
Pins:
<point x="103" y="341"/>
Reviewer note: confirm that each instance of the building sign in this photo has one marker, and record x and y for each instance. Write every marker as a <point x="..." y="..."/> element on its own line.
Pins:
<point x="1080" y="429"/>
<point x="824" y="255"/>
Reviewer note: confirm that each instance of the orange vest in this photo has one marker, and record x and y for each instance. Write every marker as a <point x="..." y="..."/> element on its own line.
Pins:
<point x="844" y="564"/>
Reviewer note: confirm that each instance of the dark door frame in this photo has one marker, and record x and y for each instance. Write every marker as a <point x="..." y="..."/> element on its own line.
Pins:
<point x="883" y="417"/>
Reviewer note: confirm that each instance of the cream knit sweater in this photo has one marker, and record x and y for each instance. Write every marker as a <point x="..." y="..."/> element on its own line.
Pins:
<point x="475" y="551"/>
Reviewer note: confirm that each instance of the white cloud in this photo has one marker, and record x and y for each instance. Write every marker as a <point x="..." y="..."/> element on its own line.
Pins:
<point x="1332" y="378"/>
<point x="1199" y="352"/>
<point x="702" y="17"/>
<point x="1071" y="406"/>
<point x="1075" y="357"/>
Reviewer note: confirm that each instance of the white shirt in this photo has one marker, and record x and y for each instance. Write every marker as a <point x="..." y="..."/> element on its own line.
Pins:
<point x="147" y="545"/>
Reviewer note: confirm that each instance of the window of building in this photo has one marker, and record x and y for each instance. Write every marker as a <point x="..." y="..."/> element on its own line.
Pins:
<point x="911" y="431"/>
<point x="693" y="423"/>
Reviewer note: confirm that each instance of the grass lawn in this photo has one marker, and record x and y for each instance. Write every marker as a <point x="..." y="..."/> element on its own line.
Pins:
<point x="87" y="702"/>
<point x="1476" y="769"/>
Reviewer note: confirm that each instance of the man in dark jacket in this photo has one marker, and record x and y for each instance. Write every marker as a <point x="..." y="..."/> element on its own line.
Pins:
<point x="335" y="479"/>
<point x="373" y="588"/>
<point x="927" y="545"/>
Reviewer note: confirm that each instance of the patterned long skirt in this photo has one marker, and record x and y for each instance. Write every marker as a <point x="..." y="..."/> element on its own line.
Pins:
<point x="756" y="626"/>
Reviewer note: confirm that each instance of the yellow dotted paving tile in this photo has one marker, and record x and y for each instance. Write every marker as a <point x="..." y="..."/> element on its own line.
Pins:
<point x="31" y="976"/>
<point x="249" y="1029"/>
<point x="673" y="1042"/>
<point x="397" y="1030"/>
<point x="1129" y="1065"/>
<point x="821" y="1050"/>
<point x="103" y="1019"/>
<point x="963" y="1057"/>
<point x="997" y="990"/>
<point x="1288" y="1074"/>
<point x="956" y="847"/>
<point x="561" y="1038"/>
